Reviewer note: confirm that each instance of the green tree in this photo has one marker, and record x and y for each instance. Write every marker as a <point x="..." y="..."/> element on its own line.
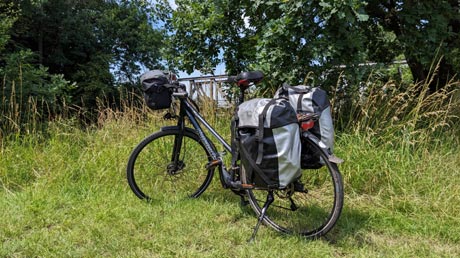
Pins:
<point x="289" y="39"/>
<point x="285" y="39"/>
<point x="23" y="82"/>
<point x="426" y="31"/>
<point x="20" y="77"/>
<point x="97" y="44"/>
<point x="7" y="19"/>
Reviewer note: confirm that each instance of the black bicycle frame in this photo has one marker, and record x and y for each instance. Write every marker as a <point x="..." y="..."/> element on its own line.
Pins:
<point x="188" y="110"/>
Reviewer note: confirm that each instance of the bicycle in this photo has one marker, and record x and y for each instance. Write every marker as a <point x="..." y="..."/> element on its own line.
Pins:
<point x="181" y="161"/>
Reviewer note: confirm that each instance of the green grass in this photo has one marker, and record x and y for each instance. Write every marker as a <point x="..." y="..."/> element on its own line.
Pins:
<point x="64" y="194"/>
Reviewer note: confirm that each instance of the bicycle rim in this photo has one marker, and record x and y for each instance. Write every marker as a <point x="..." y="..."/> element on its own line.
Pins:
<point x="315" y="212"/>
<point x="152" y="174"/>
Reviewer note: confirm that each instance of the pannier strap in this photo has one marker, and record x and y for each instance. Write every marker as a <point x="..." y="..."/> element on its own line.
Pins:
<point x="256" y="168"/>
<point x="295" y="89"/>
<point x="260" y="133"/>
<point x="299" y="102"/>
<point x="301" y="99"/>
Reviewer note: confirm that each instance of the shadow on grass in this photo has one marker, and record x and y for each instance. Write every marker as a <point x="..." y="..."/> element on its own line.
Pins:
<point x="350" y="223"/>
<point x="226" y="197"/>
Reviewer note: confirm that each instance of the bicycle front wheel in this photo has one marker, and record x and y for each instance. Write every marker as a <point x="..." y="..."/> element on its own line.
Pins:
<point x="310" y="207"/>
<point x="154" y="173"/>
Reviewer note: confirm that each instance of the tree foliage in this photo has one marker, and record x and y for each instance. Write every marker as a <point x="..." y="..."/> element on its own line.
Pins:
<point x="426" y="32"/>
<point x="7" y="19"/>
<point x="289" y="39"/>
<point x="95" y="44"/>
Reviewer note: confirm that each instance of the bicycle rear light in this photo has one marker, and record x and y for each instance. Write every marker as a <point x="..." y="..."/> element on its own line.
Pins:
<point x="243" y="83"/>
<point x="307" y="125"/>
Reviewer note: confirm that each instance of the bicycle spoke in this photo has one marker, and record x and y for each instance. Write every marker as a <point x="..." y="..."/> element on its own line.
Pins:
<point x="151" y="173"/>
<point x="311" y="213"/>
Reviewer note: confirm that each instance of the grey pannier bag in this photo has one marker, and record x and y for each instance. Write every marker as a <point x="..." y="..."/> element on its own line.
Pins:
<point x="268" y="139"/>
<point x="306" y="99"/>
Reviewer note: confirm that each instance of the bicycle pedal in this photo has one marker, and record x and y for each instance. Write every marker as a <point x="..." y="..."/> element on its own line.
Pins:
<point x="213" y="163"/>
<point x="243" y="201"/>
<point x="299" y="187"/>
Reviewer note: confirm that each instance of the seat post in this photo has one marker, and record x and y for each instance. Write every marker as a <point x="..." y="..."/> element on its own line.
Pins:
<point x="241" y="96"/>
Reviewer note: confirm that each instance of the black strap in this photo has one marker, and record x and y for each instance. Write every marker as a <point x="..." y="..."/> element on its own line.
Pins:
<point x="299" y="102"/>
<point x="301" y="93"/>
<point x="260" y="133"/>
<point x="256" y="167"/>
<point x="296" y="90"/>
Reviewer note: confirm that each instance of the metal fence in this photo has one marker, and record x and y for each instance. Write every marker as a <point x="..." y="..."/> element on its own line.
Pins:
<point x="207" y="87"/>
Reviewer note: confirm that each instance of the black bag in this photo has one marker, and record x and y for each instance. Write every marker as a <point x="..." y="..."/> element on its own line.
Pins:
<point x="268" y="140"/>
<point x="156" y="94"/>
<point x="308" y="158"/>
<point x="306" y="99"/>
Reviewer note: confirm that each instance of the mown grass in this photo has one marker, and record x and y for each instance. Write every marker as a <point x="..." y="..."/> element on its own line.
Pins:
<point x="63" y="193"/>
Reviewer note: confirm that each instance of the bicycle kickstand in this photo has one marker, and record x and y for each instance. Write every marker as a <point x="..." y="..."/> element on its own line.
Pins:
<point x="269" y="201"/>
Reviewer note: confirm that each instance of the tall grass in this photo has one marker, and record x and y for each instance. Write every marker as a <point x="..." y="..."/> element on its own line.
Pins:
<point x="64" y="192"/>
<point x="403" y="127"/>
<point x="406" y="122"/>
<point x="409" y="114"/>
<point x="13" y="116"/>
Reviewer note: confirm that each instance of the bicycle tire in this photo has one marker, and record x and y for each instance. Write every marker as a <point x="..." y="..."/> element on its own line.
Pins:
<point x="148" y="173"/>
<point x="317" y="210"/>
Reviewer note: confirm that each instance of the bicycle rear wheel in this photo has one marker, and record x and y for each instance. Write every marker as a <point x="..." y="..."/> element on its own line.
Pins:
<point x="152" y="174"/>
<point x="311" y="213"/>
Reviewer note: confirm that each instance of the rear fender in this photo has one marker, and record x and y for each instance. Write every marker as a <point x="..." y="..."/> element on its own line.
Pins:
<point x="331" y="157"/>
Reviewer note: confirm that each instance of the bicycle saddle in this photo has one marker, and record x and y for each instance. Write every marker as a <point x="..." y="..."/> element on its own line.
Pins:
<point x="245" y="78"/>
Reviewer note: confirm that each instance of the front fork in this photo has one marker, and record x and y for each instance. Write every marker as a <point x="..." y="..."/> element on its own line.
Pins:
<point x="227" y="179"/>
<point x="176" y="164"/>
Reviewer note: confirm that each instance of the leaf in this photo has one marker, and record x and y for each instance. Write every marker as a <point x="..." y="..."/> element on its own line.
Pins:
<point x="362" y="17"/>
<point x="325" y="5"/>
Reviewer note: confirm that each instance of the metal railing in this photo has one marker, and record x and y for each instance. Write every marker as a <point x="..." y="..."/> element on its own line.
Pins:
<point x="207" y="87"/>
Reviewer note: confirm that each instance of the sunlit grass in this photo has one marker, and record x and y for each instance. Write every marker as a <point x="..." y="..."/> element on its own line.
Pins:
<point x="63" y="192"/>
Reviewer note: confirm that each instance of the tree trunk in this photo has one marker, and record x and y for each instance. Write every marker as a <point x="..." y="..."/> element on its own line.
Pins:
<point x="390" y="17"/>
<point x="416" y="68"/>
<point x="439" y="75"/>
<point x="40" y="46"/>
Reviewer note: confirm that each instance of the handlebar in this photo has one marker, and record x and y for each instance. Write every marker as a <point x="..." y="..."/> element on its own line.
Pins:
<point x="178" y="89"/>
<point x="174" y="86"/>
<point x="232" y="79"/>
<point x="183" y="94"/>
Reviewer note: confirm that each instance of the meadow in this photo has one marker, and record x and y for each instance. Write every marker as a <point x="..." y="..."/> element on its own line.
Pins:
<point x="63" y="189"/>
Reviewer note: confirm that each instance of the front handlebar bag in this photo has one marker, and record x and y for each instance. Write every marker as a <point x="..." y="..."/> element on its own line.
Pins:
<point x="156" y="94"/>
